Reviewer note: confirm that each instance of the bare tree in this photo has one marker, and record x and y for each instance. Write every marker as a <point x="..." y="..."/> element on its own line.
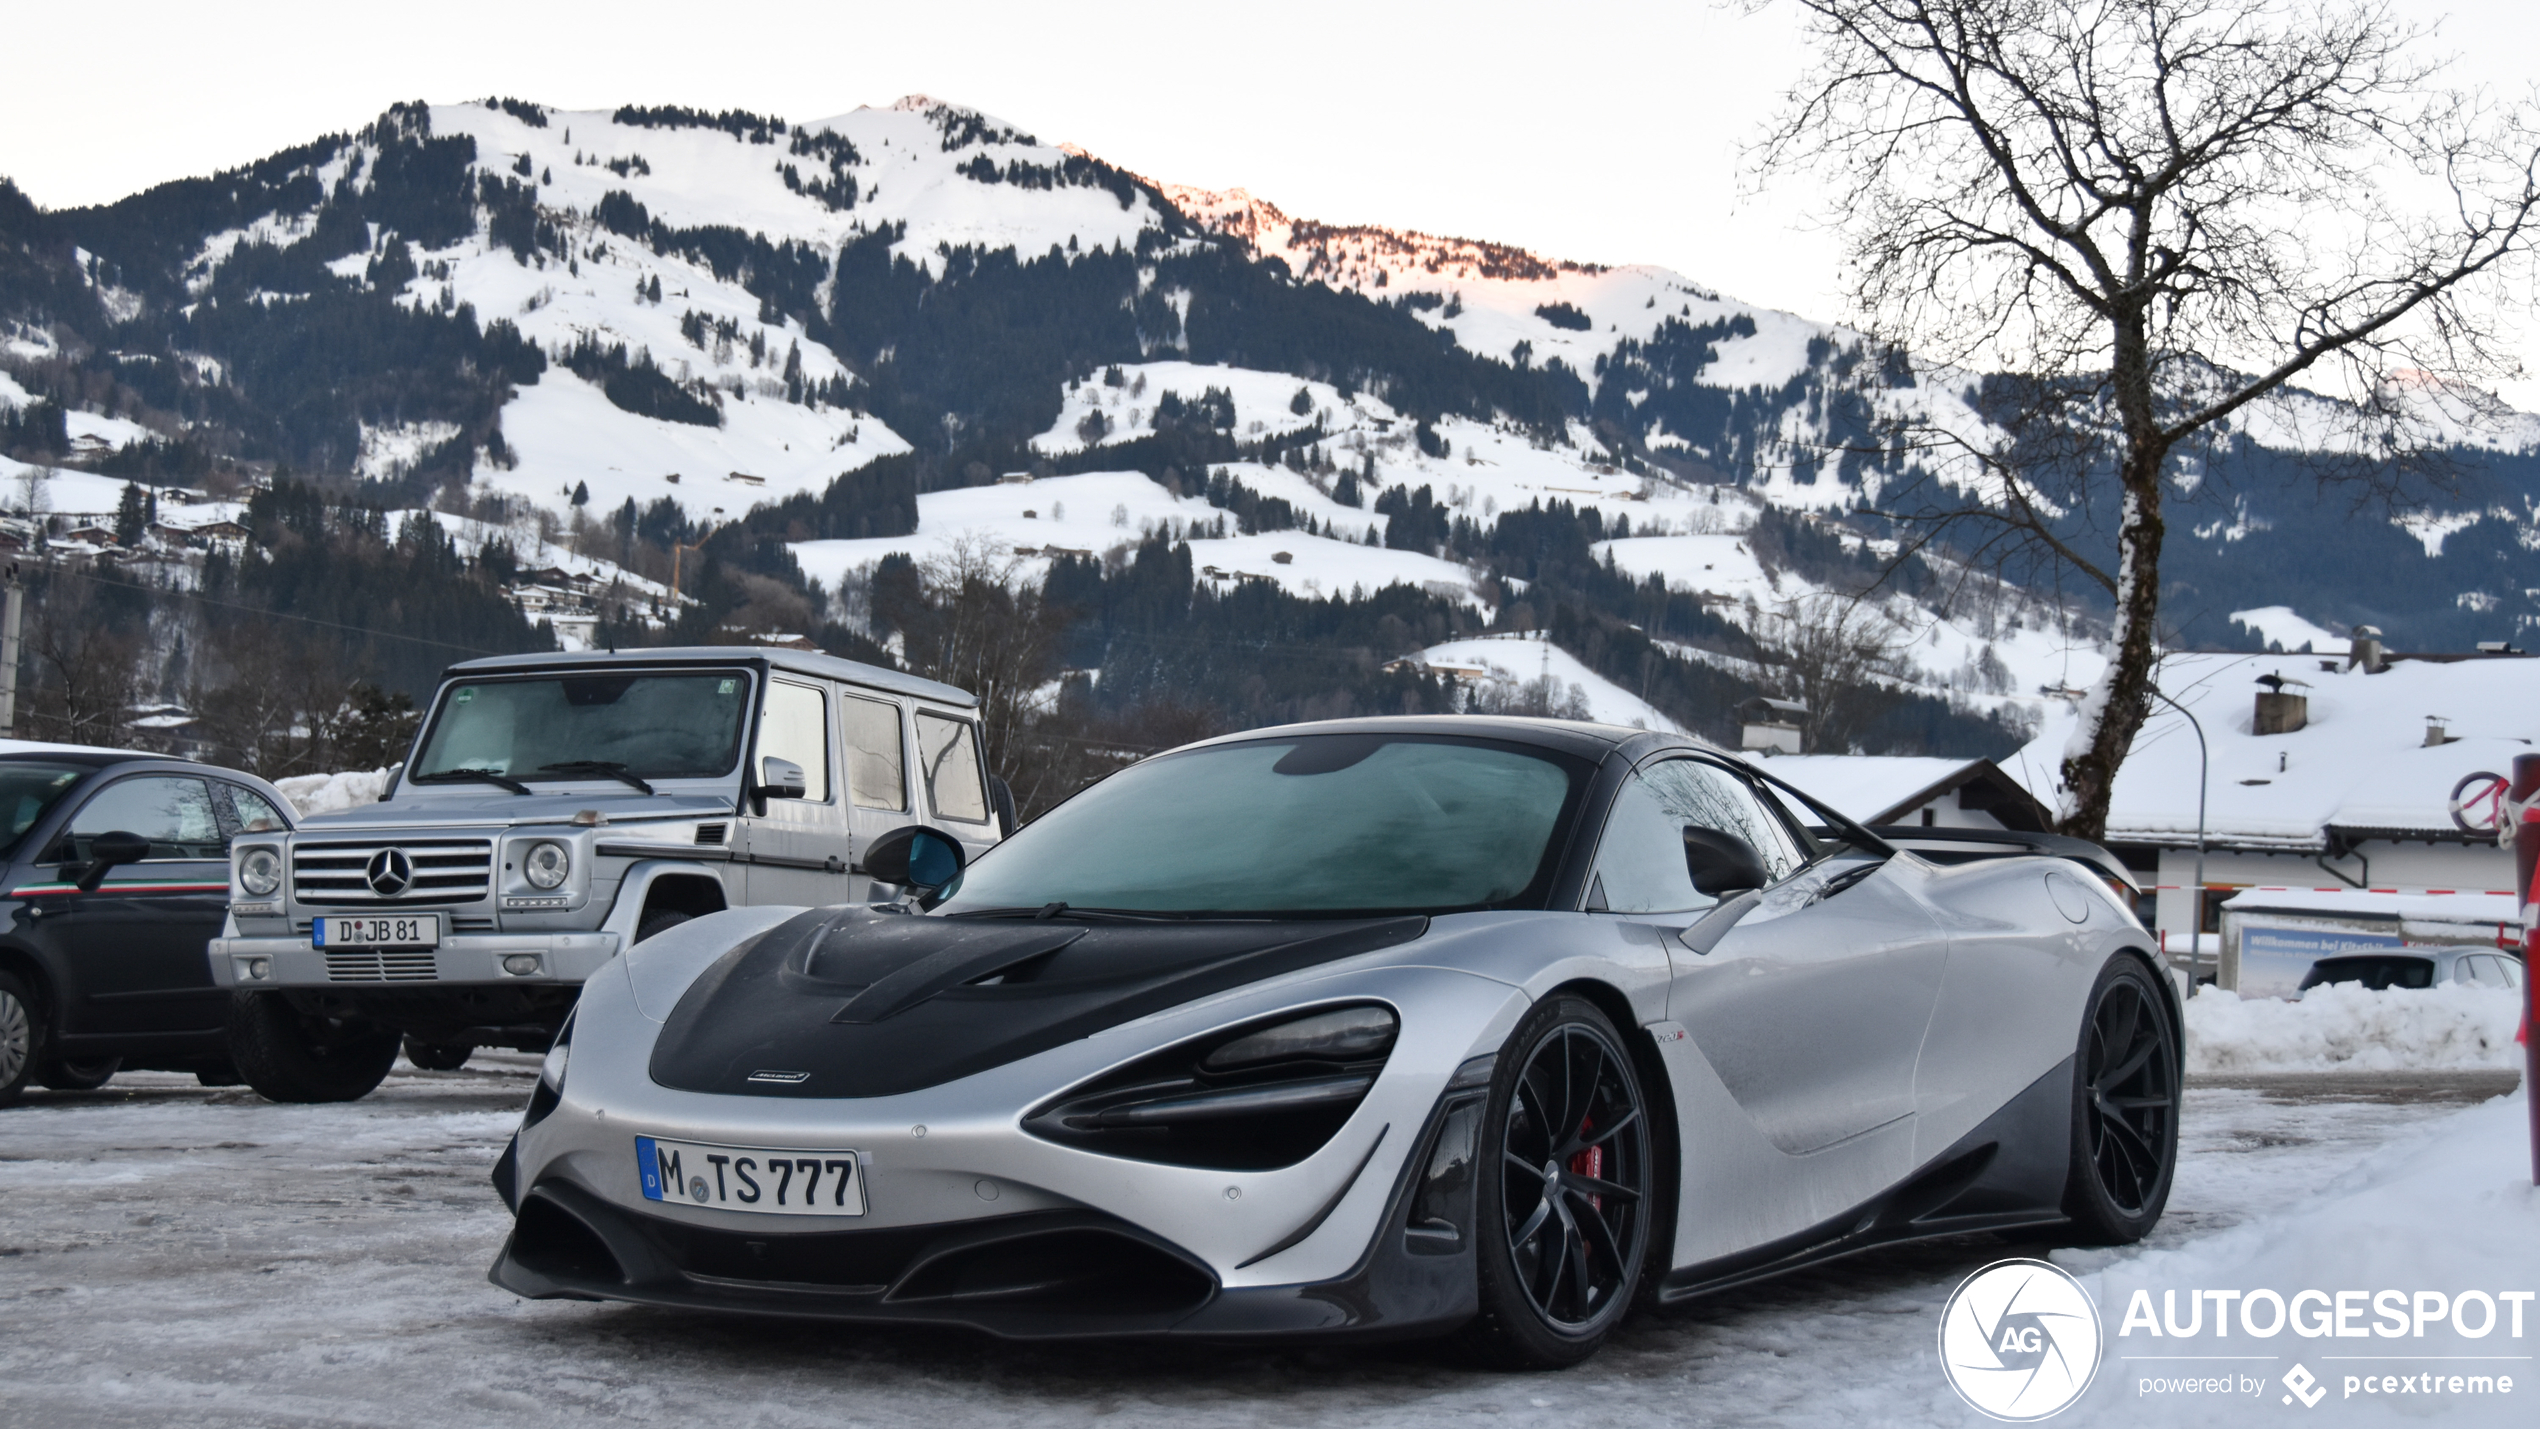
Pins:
<point x="2161" y="212"/>
<point x="1840" y="657"/>
<point x="985" y="628"/>
<point x="85" y="661"/>
<point x="1544" y="696"/>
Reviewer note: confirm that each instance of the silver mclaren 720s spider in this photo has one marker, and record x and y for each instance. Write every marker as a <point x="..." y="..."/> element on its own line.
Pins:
<point x="1373" y="1028"/>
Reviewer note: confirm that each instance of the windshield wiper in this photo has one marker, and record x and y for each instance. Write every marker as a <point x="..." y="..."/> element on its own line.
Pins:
<point x="487" y="776"/>
<point x="606" y="769"/>
<point x="1048" y="911"/>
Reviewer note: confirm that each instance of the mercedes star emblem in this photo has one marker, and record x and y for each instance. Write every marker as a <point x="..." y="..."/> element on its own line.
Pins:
<point x="389" y="872"/>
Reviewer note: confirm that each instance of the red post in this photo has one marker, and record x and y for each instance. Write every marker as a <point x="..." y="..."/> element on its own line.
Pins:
<point x="2522" y="805"/>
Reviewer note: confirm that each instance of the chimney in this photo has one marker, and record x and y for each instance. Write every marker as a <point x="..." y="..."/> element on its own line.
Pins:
<point x="1770" y="726"/>
<point x="2280" y="710"/>
<point x="2437" y="732"/>
<point x="2364" y="649"/>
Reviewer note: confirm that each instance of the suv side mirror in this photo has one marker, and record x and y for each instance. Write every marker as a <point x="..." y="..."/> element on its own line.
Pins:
<point x="780" y="778"/>
<point x="915" y="856"/>
<point x="109" y="851"/>
<point x="1722" y="864"/>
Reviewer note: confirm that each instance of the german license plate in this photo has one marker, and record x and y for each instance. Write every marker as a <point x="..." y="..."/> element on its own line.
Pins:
<point x="785" y="1182"/>
<point x="411" y="930"/>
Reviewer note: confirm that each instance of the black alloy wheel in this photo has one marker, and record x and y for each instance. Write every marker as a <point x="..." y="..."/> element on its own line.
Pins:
<point x="1565" y="1219"/>
<point x="2127" y="1072"/>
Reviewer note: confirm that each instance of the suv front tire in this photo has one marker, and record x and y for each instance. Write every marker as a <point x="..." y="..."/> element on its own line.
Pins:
<point x="291" y="1056"/>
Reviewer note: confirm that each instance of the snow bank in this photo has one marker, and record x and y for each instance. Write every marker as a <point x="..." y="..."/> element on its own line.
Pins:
<point x="2447" y="1213"/>
<point x="2340" y="1028"/>
<point x="330" y="793"/>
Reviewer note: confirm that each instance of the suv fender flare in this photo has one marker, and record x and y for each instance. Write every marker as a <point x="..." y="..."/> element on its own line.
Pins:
<point x="635" y="890"/>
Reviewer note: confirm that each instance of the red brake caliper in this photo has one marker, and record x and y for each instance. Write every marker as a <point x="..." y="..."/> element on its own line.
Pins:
<point x="1590" y="1163"/>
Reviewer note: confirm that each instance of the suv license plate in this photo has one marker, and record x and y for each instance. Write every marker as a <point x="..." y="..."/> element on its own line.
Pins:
<point x="784" y="1182"/>
<point x="412" y="930"/>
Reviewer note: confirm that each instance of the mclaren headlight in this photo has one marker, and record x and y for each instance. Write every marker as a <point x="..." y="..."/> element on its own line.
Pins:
<point x="546" y="864"/>
<point x="1345" y="1034"/>
<point x="1251" y="1098"/>
<point x="260" y="872"/>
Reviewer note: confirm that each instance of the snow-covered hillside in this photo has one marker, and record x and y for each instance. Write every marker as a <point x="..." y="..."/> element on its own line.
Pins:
<point x="1029" y="523"/>
<point x="736" y="311"/>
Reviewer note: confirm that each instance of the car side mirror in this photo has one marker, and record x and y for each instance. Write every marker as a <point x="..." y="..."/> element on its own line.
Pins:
<point x="109" y="851"/>
<point x="1722" y="864"/>
<point x="915" y="856"/>
<point x="781" y="778"/>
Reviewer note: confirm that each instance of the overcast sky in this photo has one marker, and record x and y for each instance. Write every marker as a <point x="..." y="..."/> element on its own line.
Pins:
<point x="1598" y="130"/>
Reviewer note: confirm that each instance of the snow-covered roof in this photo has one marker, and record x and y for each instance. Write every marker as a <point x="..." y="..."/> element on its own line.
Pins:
<point x="2466" y="906"/>
<point x="1880" y="788"/>
<point x="2359" y="765"/>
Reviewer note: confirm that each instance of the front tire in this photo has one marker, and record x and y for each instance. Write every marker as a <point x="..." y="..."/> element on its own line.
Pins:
<point x="290" y="1056"/>
<point x="21" y="1038"/>
<point x="1565" y="1193"/>
<point x="2126" y="1080"/>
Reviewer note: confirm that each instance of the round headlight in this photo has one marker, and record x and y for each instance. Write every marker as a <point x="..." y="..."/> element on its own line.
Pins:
<point x="546" y="864"/>
<point x="260" y="872"/>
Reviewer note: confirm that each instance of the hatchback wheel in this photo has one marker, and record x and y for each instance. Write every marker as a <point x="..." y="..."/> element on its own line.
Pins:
<point x="67" y="1076"/>
<point x="21" y="1036"/>
<point x="439" y="1056"/>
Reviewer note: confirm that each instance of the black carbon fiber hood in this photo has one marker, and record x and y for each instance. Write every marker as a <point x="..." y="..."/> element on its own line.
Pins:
<point x="867" y="1004"/>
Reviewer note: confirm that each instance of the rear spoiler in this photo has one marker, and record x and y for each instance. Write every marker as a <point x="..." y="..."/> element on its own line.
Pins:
<point x="1947" y="845"/>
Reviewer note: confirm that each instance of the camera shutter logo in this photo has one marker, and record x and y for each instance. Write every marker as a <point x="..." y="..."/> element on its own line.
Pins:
<point x="2019" y="1340"/>
<point x="389" y="872"/>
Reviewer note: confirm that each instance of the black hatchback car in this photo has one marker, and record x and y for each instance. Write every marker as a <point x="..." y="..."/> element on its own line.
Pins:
<point x="114" y="872"/>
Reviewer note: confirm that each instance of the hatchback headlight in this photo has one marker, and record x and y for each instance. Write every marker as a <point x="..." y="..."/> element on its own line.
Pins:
<point x="260" y="872"/>
<point x="546" y="864"/>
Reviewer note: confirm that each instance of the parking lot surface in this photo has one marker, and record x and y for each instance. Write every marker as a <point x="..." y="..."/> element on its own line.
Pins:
<point x="176" y="1255"/>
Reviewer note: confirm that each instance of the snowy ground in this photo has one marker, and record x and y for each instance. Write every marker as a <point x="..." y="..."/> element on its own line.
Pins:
<point x="177" y="1255"/>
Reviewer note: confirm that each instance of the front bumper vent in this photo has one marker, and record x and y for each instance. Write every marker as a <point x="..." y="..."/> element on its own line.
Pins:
<point x="382" y="965"/>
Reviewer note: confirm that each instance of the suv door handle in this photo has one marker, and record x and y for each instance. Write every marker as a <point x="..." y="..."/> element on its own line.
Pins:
<point x="836" y="864"/>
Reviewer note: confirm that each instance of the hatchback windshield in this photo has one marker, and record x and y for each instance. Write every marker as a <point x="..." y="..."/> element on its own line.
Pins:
<point x="665" y="726"/>
<point x="1318" y="824"/>
<point x="2375" y="973"/>
<point x="26" y="791"/>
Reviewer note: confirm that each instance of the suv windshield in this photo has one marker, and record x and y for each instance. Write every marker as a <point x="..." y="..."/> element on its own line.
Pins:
<point x="656" y="726"/>
<point x="1319" y="824"/>
<point x="26" y="791"/>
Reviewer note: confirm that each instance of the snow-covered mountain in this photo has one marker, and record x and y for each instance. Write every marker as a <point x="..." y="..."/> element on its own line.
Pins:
<point x="843" y="336"/>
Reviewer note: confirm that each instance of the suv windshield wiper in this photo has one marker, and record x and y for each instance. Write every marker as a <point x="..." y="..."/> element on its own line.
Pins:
<point x="486" y="776"/>
<point x="606" y="769"/>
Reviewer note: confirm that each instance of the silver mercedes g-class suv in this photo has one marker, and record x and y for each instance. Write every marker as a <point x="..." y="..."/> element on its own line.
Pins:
<point x="557" y="808"/>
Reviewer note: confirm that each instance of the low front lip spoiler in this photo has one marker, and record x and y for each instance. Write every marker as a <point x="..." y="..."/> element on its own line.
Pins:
<point x="1403" y="1285"/>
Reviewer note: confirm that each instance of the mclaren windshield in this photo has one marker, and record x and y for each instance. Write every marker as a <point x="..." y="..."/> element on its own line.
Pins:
<point x="1321" y="824"/>
<point x="615" y="727"/>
